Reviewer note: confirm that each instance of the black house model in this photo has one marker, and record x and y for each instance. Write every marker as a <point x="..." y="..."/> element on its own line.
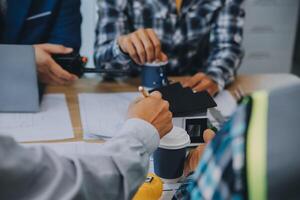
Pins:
<point x="189" y="109"/>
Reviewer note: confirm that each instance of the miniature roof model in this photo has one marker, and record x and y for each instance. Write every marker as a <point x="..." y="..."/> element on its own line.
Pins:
<point x="184" y="102"/>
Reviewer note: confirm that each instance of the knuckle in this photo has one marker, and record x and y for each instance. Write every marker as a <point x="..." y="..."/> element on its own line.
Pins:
<point x="149" y="47"/>
<point x="139" y="30"/>
<point x="166" y="104"/>
<point x="199" y="75"/>
<point x="132" y="37"/>
<point x="133" y="55"/>
<point x="142" y="52"/>
<point x="171" y="115"/>
<point x="61" y="47"/>
<point x="126" y="39"/>
<point x="157" y="45"/>
<point x="157" y="94"/>
<point x="47" y="61"/>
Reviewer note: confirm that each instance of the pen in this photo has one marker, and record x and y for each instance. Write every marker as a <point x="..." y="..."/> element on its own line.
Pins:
<point x="144" y="92"/>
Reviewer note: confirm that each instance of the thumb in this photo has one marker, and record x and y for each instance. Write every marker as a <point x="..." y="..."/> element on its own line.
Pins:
<point x="56" y="49"/>
<point x="163" y="57"/>
<point x="208" y="135"/>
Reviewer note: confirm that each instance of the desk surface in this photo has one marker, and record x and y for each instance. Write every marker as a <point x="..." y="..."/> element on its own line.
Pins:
<point x="248" y="83"/>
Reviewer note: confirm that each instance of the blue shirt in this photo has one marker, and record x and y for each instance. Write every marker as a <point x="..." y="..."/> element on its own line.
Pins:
<point x="42" y="21"/>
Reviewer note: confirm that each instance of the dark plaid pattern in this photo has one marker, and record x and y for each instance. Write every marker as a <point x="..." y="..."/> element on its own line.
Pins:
<point x="214" y="26"/>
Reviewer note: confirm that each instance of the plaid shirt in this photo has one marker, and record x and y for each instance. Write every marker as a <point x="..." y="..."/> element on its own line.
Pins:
<point x="213" y="27"/>
<point x="221" y="173"/>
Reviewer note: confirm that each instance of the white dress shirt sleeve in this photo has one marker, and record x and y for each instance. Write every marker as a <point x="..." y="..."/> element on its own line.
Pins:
<point x="115" y="173"/>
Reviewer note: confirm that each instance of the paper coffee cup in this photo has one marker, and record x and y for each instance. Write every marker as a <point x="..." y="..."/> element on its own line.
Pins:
<point x="170" y="156"/>
<point x="154" y="75"/>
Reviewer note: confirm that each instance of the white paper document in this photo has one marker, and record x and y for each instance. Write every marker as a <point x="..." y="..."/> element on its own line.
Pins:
<point x="51" y="123"/>
<point x="102" y="115"/>
<point x="226" y="105"/>
<point x="70" y="149"/>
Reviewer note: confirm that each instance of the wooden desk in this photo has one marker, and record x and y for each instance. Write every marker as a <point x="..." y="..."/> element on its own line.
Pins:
<point x="248" y="83"/>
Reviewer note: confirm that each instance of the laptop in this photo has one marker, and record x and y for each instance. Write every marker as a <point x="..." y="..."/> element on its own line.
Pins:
<point x="19" y="90"/>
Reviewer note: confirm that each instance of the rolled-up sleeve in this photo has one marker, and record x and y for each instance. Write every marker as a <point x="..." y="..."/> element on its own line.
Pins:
<point x="114" y="173"/>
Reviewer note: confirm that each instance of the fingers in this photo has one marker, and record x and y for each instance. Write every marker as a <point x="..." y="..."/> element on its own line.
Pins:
<point x="163" y="123"/>
<point x="139" y="48"/>
<point x="201" y="82"/>
<point x="55" y="49"/>
<point x="143" y="46"/>
<point x="203" y="85"/>
<point x="195" y="155"/>
<point x="163" y="57"/>
<point x="133" y="52"/>
<point x="48" y="70"/>
<point x="208" y="135"/>
<point x="213" y="90"/>
<point x="162" y="107"/>
<point x="156" y="94"/>
<point x="138" y="99"/>
<point x="196" y="79"/>
<point x="148" y="46"/>
<point x="155" y="42"/>
<point x="207" y="84"/>
<point x="59" y="72"/>
<point x="193" y="159"/>
<point x="56" y="80"/>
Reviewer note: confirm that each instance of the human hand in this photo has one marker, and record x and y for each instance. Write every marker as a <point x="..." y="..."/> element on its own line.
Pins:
<point x="142" y="46"/>
<point x="154" y="110"/>
<point x="49" y="71"/>
<point x="195" y="155"/>
<point x="200" y="82"/>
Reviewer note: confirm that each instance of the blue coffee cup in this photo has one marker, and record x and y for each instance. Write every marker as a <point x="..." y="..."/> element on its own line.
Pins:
<point x="154" y="75"/>
<point x="169" y="158"/>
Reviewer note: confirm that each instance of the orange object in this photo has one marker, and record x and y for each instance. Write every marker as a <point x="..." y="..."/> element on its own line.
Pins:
<point x="151" y="189"/>
<point x="84" y="59"/>
<point x="195" y="155"/>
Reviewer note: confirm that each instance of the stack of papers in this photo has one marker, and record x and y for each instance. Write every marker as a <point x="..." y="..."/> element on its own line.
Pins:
<point x="51" y="123"/>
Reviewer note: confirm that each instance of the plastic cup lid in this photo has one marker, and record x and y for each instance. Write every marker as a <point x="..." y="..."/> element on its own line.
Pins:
<point x="176" y="139"/>
<point x="156" y="64"/>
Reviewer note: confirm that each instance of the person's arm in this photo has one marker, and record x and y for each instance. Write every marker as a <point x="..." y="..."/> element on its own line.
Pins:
<point x="225" y="50"/>
<point x="115" y="173"/>
<point x="226" y="43"/>
<point x="66" y="29"/>
<point x="113" y="22"/>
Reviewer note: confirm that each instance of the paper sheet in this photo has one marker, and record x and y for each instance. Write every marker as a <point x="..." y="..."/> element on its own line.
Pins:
<point x="51" y="123"/>
<point x="226" y="105"/>
<point x="70" y="149"/>
<point x="102" y="115"/>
